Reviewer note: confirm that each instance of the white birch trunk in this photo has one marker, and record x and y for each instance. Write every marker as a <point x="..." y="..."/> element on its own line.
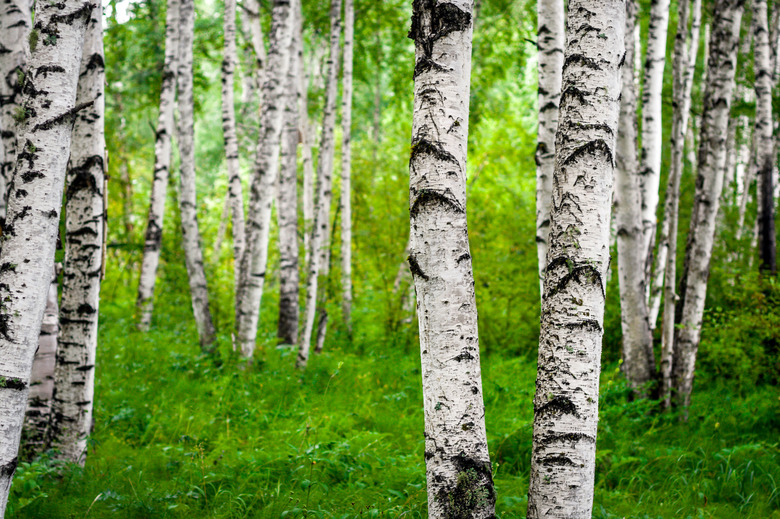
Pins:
<point x="638" y="358"/>
<point x="567" y="385"/>
<point x="188" y="206"/>
<point x="727" y="15"/>
<point x="652" y="127"/>
<point x="306" y="157"/>
<point x="74" y="374"/>
<point x="550" y="39"/>
<point x="35" y="198"/>
<point x="162" y="166"/>
<point x="320" y="226"/>
<point x="460" y="481"/>
<point x="14" y="34"/>
<point x="287" y="208"/>
<point x="346" y="167"/>
<point x="262" y="191"/>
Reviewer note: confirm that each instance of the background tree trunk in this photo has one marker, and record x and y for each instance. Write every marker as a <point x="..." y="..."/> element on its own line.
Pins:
<point x="346" y="167"/>
<point x="567" y="385"/>
<point x="46" y="119"/>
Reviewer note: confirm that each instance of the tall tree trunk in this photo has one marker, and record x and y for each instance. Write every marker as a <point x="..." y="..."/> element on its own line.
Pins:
<point x="320" y="229"/>
<point x="162" y="166"/>
<point x="459" y="475"/>
<point x="188" y="205"/>
<point x="235" y="191"/>
<point x="287" y="209"/>
<point x="745" y="154"/>
<point x="550" y="39"/>
<point x="74" y="374"/>
<point x="346" y="167"/>
<point x="14" y="35"/>
<point x="765" y="146"/>
<point x="638" y="358"/>
<point x="652" y="128"/>
<point x="46" y="117"/>
<point x="38" y="415"/>
<point x="567" y="385"/>
<point x="727" y="15"/>
<point x="255" y="258"/>
<point x="306" y="157"/>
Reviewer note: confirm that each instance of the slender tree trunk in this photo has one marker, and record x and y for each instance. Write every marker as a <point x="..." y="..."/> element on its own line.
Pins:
<point x="162" y="166"/>
<point x="287" y="209"/>
<point x="193" y="254"/>
<point x="567" y="385"/>
<point x="255" y="258"/>
<point x="48" y="109"/>
<point x="127" y="199"/>
<point x="765" y="146"/>
<point x="346" y="167"/>
<point x="652" y="127"/>
<point x="745" y="154"/>
<point x="721" y="65"/>
<point x="319" y="240"/>
<point x="14" y="35"/>
<point x="74" y="374"/>
<point x="306" y="157"/>
<point x="38" y="416"/>
<point x="235" y="191"/>
<point x="684" y="65"/>
<point x="550" y="40"/>
<point x="638" y="360"/>
<point x="459" y="475"/>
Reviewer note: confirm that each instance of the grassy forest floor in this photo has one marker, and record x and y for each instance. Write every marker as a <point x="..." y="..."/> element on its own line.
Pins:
<point x="182" y="435"/>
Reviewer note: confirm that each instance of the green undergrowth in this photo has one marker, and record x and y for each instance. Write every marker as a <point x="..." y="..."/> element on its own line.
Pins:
<point x="182" y="435"/>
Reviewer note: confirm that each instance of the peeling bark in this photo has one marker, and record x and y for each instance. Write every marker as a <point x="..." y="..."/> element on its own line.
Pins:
<point x="346" y="167"/>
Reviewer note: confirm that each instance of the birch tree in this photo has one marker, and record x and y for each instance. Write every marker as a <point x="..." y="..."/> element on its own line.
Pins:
<point x="550" y="39"/>
<point x="320" y="226"/>
<point x="306" y="156"/>
<point x="162" y="166"/>
<point x="724" y="40"/>
<point x="346" y="166"/>
<point x="45" y="118"/>
<point x="567" y="384"/>
<point x="14" y="33"/>
<point x="74" y="373"/>
<point x="460" y="481"/>
<point x="193" y="255"/>
<point x="638" y="358"/>
<point x="255" y="257"/>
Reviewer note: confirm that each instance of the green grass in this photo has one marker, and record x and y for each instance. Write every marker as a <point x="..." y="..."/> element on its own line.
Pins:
<point x="182" y="435"/>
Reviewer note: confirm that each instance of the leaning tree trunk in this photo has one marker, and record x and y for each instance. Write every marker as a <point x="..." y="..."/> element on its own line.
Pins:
<point x="346" y="167"/>
<point x="721" y="66"/>
<point x="46" y="117"/>
<point x="318" y="259"/>
<point x="74" y="373"/>
<point x="14" y="34"/>
<point x="235" y="191"/>
<point x="652" y="128"/>
<point x="287" y="208"/>
<point x="193" y="255"/>
<point x="550" y="39"/>
<point x="255" y="258"/>
<point x="162" y="166"/>
<point x="459" y="475"/>
<point x="567" y="385"/>
<point x="765" y="146"/>
<point x="638" y="358"/>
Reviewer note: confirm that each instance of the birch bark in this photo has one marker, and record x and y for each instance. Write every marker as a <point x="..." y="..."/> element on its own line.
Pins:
<point x="460" y="481"/>
<point x="306" y="157"/>
<point x="30" y="235"/>
<point x="638" y="358"/>
<point x="320" y="227"/>
<point x="550" y="39"/>
<point x="162" y="166"/>
<point x="346" y="166"/>
<point x="721" y="65"/>
<point x="14" y="33"/>
<point x="74" y="373"/>
<point x="193" y="255"/>
<point x="255" y="257"/>
<point x="567" y="385"/>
